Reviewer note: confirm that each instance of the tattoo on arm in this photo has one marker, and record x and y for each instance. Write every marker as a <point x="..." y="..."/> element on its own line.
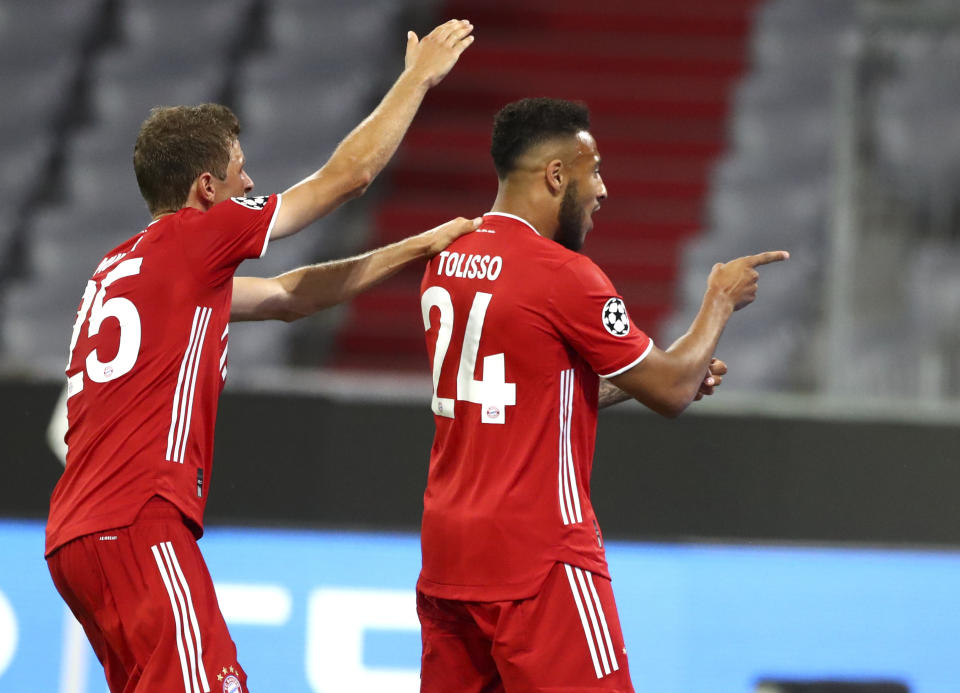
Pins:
<point x="610" y="394"/>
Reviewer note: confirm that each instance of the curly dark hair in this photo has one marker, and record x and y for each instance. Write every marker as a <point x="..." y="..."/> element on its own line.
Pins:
<point x="525" y="123"/>
<point x="178" y="143"/>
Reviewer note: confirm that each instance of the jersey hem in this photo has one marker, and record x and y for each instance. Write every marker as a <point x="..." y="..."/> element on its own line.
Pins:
<point x="117" y="519"/>
<point x="482" y="593"/>
<point x="512" y="590"/>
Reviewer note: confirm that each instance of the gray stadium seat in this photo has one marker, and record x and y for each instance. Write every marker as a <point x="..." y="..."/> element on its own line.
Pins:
<point x="126" y="87"/>
<point x="360" y="27"/>
<point x="182" y="31"/>
<point x="21" y="167"/>
<point x="37" y="32"/>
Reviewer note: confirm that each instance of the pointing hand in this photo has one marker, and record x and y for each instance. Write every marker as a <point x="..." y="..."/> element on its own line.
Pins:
<point x="738" y="279"/>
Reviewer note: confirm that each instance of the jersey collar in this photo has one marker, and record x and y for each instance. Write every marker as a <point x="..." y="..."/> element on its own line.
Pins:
<point x="513" y="216"/>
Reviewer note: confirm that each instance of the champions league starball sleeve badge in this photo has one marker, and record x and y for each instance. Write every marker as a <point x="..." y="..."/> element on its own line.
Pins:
<point x="615" y="318"/>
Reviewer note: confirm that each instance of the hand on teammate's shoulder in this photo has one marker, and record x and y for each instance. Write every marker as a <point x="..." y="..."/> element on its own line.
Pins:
<point x="445" y="234"/>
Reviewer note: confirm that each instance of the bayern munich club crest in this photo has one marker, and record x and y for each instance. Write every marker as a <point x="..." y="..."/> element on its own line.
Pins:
<point x="258" y="202"/>
<point x="229" y="683"/>
<point x="615" y="318"/>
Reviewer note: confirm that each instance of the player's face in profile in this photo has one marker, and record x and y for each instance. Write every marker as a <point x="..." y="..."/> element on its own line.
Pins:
<point x="583" y="195"/>
<point x="236" y="183"/>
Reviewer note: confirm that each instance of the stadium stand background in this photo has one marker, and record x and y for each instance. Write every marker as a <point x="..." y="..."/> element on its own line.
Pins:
<point x="828" y="127"/>
<point x="821" y="126"/>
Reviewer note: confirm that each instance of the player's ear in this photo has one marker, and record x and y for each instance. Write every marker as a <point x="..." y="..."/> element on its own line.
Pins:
<point x="206" y="190"/>
<point x="555" y="174"/>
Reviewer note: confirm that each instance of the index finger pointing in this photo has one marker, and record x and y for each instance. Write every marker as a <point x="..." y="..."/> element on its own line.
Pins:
<point x="768" y="257"/>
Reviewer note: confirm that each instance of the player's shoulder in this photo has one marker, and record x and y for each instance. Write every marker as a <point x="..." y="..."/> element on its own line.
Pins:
<point x="537" y="250"/>
<point x="119" y="252"/>
<point x="253" y="204"/>
<point x="577" y="273"/>
<point x="229" y="210"/>
<point x="572" y="261"/>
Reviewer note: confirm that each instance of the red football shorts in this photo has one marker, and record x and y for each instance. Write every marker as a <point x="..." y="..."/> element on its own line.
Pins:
<point x="146" y="602"/>
<point x="565" y="638"/>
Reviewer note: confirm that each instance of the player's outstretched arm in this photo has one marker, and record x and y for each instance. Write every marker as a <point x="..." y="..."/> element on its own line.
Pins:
<point x="610" y="394"/>
<point x="667" y="381"/>
<point x="306" y="290"/>
<point x="367" y="149"/>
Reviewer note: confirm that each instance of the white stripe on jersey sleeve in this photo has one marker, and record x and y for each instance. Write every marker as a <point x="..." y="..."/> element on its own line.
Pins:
<point x="630" y="365"/>
<point x="273" y="222"/>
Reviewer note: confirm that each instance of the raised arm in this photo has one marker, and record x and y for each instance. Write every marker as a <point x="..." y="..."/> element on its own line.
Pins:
<point x="367" y="149"/>
<point x="306" y="290"/>
<point x="667" y="381"/>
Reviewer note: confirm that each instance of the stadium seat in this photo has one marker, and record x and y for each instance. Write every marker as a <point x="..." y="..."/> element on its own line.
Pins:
<point x="35" y="33"/>
<point x="182" y="31"/>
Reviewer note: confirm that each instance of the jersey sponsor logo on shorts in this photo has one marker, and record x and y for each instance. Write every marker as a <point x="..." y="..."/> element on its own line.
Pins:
<point x="615" y="318"/>
<point x="258" y="202"/>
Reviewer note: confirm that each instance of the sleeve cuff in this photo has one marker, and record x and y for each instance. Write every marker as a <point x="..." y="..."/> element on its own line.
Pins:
<point x="631" y="364"/>
<point x="273" y="222"/>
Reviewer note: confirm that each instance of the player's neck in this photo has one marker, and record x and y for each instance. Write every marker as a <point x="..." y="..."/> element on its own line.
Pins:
<point x="521" y="203"/>
<point x="168" y="212"/>
<point x="194" y="200"/>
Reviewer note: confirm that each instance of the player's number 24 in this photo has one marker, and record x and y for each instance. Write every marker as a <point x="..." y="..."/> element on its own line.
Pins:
<point x="493" y="393"/>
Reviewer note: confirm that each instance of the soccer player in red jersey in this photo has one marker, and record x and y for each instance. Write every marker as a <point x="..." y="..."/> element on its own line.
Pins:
<point x="148" y="360"/>
<point x="527" y="339"/>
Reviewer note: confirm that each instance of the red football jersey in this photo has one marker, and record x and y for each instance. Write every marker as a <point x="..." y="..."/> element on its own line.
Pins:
<point x="518" y="329"/>
<point x="148" y="360"/>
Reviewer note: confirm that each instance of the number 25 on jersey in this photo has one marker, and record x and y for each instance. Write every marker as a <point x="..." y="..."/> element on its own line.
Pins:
<point x="493" y="393"/>
<point x="99" y="309"/>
